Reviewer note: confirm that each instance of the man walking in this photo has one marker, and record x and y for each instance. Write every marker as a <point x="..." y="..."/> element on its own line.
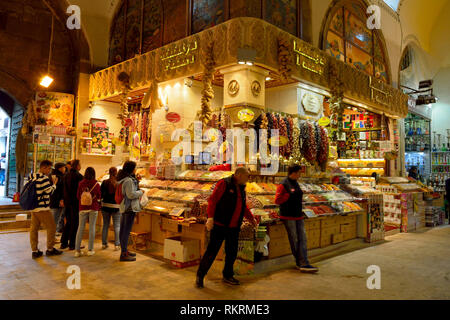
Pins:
<point x="42" y="214"/>
<point x="290" y="198"/>
<point x="226" y="210"/>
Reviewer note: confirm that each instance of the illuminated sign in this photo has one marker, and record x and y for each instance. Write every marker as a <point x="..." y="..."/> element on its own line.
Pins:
<point x="179" y="55"/>
<point x="313" y="62"/>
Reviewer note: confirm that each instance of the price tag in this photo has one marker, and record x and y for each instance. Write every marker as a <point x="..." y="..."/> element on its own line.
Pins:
<point x="176" y="212"/>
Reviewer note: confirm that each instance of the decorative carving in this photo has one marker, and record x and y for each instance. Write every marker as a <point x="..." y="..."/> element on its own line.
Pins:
<point x="233" y="88"/>
<point x="256" y="88"/>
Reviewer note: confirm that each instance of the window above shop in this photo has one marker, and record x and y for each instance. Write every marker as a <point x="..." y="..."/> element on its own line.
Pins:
<point x="347" y="38"/>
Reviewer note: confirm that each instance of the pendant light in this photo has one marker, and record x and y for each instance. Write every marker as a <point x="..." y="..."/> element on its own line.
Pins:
<point x="47" y="80"/>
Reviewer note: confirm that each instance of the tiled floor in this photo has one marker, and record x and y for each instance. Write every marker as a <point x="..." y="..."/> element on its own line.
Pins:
<point x="413" y="266"/>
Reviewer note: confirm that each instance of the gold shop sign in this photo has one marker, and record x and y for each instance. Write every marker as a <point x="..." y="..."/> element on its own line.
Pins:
<point x="179" y="55"/>
<point x="314" y="62"/>
<point x="378" y="92"/>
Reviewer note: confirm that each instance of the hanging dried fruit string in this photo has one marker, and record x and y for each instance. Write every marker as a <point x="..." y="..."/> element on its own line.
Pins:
<point x="208" y="91"/>
<point x="296" y="155"/>
<point x="124" y="80"/>
<point x="30" y="119"/>
<point x="284" y="58"/>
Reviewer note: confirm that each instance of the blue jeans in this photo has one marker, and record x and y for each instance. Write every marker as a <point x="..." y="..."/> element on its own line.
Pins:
<point x="58" y="215"/>
<point x="116" y="222"/>
<point x="126" y="224"/>
<point x="92" y="215"/>
<point x="297" y="238"/>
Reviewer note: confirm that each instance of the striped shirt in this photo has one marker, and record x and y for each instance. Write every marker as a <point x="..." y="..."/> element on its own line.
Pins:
<point x="44" y="188"/>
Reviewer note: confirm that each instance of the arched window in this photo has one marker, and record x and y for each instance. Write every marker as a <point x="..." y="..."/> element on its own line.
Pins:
<point x="347" y="38"/>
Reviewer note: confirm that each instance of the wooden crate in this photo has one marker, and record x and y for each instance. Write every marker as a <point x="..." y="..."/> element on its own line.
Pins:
<point x="328" y="222"/>
<point x="279" y="247"/>
<point x="277" y="231"/>
<point x="337" y="238"/>
<point x="311" y="224"/>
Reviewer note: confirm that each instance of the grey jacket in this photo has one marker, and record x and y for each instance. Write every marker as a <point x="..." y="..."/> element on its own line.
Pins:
<point x="131" y="195"/>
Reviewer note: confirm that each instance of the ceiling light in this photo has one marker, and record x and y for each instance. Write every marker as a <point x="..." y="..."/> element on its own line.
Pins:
<point x="46" y="81"/>
<point x="268" y="78"/>
<point x="249" y="63"/>
<point x="129" y="98"/>
<point x="241" y="62"/>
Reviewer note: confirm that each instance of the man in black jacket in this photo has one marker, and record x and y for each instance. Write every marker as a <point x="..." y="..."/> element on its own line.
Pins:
<point x="290" y="198"/>
<point x="56" y="199"/>
<point x="71" y="181"/>
<point x="227" y="208"/>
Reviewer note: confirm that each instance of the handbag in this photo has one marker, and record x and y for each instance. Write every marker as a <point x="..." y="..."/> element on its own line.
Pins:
<point x="143" y="201"/>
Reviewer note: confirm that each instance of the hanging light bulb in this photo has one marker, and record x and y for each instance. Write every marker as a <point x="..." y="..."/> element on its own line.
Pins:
<point x="47" y="80"/>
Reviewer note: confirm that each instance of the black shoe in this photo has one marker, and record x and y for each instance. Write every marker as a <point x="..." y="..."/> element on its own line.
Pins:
<point x="63" y="246"/>
<point x="308" y="269"/>
<point x="199" y="282"/>
<point x="132" y="254"/>
<point x="231" y="280"/>
<point x="36" y="254"/>
<point x="72" y="248"/>
<point x="53" y="252"/>
<point x="127" y="257"/>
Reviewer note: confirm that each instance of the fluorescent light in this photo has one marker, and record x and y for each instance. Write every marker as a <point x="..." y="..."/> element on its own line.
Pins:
<point x="249" y="63"/>
<point x="241" y="62"/>
<point x="46" y="81"/>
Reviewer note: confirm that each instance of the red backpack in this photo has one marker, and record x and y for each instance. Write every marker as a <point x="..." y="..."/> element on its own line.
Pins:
<point x="119" y="194"/>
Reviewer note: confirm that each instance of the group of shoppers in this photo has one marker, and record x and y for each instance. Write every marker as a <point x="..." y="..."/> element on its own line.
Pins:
<point x="67" y="200"/>
<point x="82" y="197"/>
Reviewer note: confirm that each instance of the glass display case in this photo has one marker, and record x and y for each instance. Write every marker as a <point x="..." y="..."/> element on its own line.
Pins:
<point x="418" y="145"/>
<point x="56" y="148"/>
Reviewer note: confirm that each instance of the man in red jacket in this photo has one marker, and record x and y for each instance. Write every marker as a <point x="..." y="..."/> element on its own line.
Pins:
<point x="226" y="210"/>
<point x="290" y="197"/>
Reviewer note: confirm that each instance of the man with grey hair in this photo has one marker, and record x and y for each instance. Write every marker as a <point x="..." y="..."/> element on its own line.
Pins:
<point x="226" y="210"/>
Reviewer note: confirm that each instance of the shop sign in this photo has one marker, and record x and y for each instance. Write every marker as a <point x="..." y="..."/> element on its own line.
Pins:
<point x="378" y="92"/>
<point x="280" y="141"/>
<point x="325" y="121"/>
<point x="173" y="117"/>
<point x="246" y="115"/>
<point x="179" y="55"/>
<point x="314" y="62"/>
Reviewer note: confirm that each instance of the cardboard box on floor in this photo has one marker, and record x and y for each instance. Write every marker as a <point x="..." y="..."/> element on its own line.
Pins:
<point x="181" y="249"/>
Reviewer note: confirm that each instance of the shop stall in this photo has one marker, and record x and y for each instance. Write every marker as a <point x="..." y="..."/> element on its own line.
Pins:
<point x="178" y="104"/>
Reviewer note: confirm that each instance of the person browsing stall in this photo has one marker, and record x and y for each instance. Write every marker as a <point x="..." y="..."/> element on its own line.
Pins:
<point x="226" y="210"/>
<point x="289" y="197"/>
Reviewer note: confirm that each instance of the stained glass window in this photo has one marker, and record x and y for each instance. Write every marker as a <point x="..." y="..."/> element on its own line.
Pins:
<point x="348" y="39"/>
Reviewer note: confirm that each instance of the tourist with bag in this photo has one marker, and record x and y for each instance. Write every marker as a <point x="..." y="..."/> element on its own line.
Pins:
<point x="128" y="195"/>
<point x="35" y="196"/>
<point x="110" y="209"/>
<point x="89" y="196"/>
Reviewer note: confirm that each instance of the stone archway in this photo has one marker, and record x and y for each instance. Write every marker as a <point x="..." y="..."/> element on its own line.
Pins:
<point x="16" y="88"/>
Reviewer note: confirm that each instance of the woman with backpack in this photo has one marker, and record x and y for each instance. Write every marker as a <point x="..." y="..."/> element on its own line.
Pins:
<point x="89" y="196"/>
<point x="110" y="209"/>
<point x="128" y="188"/>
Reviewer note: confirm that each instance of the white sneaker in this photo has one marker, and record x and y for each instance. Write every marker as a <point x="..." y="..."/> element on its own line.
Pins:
<point x="104" y="246"/>
<point x="90" y="252"/>
<point x="116" y="248"/>
<point x="78" y="254"/>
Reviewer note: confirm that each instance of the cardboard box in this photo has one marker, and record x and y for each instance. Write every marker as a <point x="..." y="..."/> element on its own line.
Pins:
<point x="277" y="231"/>
<point x="158" y="235"/>
<point x="328" y="222"/>
<point x="311" y="224"/>
<point x="337" y="238"/>
<point x="279" y="247"/>
<point x="346" y="228"/>
<point x="313" y="243"/>
<point x="181" y="249"/>
<point x="21" y="217"/>
<point x="171" y="225"/>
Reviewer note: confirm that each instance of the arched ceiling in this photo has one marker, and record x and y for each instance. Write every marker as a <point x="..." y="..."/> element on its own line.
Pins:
<point x="420" y="17"/>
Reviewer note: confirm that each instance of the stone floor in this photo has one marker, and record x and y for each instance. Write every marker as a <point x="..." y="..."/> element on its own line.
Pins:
<point x="413" y="266"/>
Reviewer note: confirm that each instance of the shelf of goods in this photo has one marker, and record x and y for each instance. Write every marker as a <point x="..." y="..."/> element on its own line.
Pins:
<point x="178" y="207"/>
<point x="404" y="205"/>
<point x="362" y="167"/>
